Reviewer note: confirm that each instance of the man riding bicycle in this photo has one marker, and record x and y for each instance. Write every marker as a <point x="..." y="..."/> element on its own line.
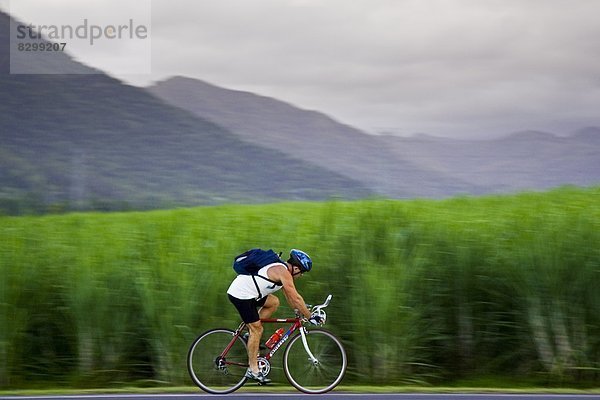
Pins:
<point x="254" y="299"/>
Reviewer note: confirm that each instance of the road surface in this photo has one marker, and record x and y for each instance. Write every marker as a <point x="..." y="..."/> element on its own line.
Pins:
<point x="298" y="396"/>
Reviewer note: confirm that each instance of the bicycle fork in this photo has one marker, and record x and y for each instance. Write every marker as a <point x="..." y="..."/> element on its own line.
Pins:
<point x="311" y="357"/>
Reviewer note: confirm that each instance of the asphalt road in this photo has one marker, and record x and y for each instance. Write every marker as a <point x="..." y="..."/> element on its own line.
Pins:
<point x="333" y="396"/>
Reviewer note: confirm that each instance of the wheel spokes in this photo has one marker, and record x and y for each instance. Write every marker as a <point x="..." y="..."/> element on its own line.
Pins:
<point x="210" y="370"/>
<point x="322" y="375"/>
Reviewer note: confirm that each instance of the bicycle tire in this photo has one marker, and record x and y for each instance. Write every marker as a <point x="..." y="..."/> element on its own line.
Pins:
<point x="211" y="373"/>
<point x="307" y="376"/>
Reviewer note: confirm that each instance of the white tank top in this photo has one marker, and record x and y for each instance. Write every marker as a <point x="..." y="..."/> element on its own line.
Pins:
<point x="243" y="286"/>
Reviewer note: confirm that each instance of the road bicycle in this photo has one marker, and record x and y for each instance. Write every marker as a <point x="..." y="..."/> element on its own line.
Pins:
<point x="314" y="360"/>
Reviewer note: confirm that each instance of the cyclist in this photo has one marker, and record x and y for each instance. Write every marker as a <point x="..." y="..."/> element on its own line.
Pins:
<point x="254" y="299"/>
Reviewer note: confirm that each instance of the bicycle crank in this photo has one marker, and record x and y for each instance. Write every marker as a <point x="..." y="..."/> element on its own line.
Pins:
<point x="264" y="365"/>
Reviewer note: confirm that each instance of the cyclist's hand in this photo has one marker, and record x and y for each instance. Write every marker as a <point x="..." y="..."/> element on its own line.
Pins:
<point x="316" y="319"/>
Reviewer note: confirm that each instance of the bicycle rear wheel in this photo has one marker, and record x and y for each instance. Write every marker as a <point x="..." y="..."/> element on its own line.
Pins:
<point x="213" y="373"/>
<point x="318" y="376"/>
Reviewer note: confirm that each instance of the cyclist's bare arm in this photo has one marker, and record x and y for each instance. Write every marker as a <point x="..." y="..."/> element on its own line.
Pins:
<point x="294" y="299"/>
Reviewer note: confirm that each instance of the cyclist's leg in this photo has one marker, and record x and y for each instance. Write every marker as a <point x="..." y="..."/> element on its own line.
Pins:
<point x="269" y="307"/>
<point x="256" y="330"/>
<point x="249" y="313"/>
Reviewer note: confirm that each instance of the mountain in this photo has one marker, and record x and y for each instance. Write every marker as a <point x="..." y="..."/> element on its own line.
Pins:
<point x="520" y="161"/>
<point x="398" y="167"/>
<point x="588" y="136"/>
<point x="89" y="141"/>
<point x="311" y="136"/>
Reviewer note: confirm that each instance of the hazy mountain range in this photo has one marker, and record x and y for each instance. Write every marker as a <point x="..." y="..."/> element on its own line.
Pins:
<point x="521" y="161"/>
<point x="394" y="166"/>
<point x="89" y="141"/>
<point x="92" y="142"/>
<point x="311" y="136"/>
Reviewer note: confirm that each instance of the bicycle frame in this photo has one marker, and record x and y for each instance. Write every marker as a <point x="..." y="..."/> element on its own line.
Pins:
<point x="296" y="325"/>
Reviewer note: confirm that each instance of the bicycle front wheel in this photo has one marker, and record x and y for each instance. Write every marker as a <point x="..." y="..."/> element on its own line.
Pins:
<point x="213" y="371"/>
<point x="318" y="375"/>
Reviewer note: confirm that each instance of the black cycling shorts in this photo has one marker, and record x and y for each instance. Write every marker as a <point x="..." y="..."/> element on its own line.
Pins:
<point x="248" y="309"/>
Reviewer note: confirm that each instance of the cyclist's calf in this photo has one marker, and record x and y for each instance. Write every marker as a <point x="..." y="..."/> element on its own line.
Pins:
<point x="256" y="331"/>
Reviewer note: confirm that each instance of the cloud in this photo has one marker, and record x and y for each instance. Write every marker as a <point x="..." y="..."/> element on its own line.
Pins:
<point x="446" y="67"/>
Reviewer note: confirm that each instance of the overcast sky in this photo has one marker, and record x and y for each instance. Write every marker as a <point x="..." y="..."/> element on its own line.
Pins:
<point x="468" y="68"/>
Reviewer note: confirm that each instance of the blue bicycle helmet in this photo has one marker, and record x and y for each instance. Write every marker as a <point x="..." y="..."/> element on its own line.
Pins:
<point x="300" y="259"/>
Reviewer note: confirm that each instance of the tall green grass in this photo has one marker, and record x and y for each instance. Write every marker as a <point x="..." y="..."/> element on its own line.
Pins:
<point x="424" y="291"/>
